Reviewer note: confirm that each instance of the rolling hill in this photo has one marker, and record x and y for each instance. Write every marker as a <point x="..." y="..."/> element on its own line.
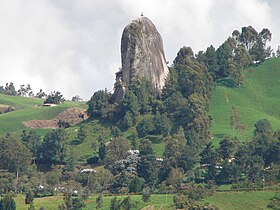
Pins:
<point x="27" y="109"/>
<point x="257" y="98"/>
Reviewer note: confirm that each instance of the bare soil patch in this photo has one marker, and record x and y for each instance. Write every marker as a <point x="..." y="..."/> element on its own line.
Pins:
<point x="72" y="116"/>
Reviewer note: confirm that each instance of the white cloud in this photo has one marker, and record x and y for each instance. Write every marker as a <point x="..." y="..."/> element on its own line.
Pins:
<point x="74" y="45"/>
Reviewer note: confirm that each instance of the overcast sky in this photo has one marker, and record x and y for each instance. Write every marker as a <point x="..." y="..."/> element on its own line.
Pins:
<point x="74" y="45"/>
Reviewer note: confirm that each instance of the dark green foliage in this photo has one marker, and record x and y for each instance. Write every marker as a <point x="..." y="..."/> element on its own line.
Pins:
<point x="209" y="158"/>
<point x="130" y="104"/>
<point x="54" y="146"/>
<point x="8" y="90"/>
<point x="275" y="202"/>
<point x="224" y="53"/>
<point x="162" y="124"/>
<point x="136" y="184"/>
<point x="40" y="94"/>
<point x="174" y="150"/>
<point x="145" y="147"/>
<point x="55" y="97"/>
<point x="102" y="151"/>
<point x="196" y="192"/>
<point x="115" y="204"/>
<point x="192" y="76"/>
<point x="146" y="194"/>
<point x="7" y="202"/>
<point x="227" y="148"/>
<point x="29" y="197"/>
<point x="32" y="141"/>
<point x="98" y="105"/>
<point x="99" y="201"/>
<point x="116" y="132"/>
<point x="82" y="133"/>
<point x="175" y="178"/>
<point x="76" y="98"/>
<point x="116" y="150"/>
<point x="93" y="160"/>
<point x="211" y="61"/>
<point x="255" y="169"/>
<point x="70" y="162"/>
<point x="180" y="201"/>
<point x="120" y="183"/>
<point x="72" y="203"/>
<point x="148" y="169"/>
<point x="126" y="203"/>
<point x="128" y="119"/>
<point x="145" y="127"/>
<point x="235" y="120"/>
<point x="31" y="207"/>
<point x="255" y="43"/>
<point x="63" y="124"/>
<point x="203" y="207"/>
<point x="171" y="85"/>
<point x="263" y="128"/>
<point x="14" y="155"/>
<point x="175" y="106"/>
<point x="146" y="94"/>
<point x="198" y="120"/>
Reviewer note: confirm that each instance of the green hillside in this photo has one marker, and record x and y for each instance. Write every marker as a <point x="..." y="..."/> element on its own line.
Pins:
<point x="257" y="98"/>
<point x="27" y="109"/>
<point x="19" y="102"/>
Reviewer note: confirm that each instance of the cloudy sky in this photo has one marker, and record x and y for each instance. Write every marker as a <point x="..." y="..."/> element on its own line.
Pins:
<point x="74" y="45"/>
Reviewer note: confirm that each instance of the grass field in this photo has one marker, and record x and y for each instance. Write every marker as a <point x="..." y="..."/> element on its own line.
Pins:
<point x="223" y="200"/>
<point x="241" y="200"/>
<point x="257" y="98"/>
<point x="27" y="109"/>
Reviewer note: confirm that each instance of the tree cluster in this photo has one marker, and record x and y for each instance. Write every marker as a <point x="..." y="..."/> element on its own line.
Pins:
<point x="240" y="50"/>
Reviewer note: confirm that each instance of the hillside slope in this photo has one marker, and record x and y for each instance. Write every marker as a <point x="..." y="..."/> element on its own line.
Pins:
<point x="27" y="109"/>
<point x="257" y="98"/>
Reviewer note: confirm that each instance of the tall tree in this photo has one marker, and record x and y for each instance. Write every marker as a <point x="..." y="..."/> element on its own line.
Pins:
<point x="15" y="160"/>
<point x="98" y="105"/>
<point x="130" y="104"/>
<point x="212" y="62"/>
<point x="148" y="167"/>
<point x="54" y="146"/>
<point x="234" y="120"/>
<point x="32" y="141"/>
<point x="55" y="97"/>
<point x="116" y="149"/>
<point x="7" y="202"/>
<point x="227" y="148"/>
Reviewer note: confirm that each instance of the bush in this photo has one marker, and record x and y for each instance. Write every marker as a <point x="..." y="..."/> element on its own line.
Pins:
<point x="93" y="160"/>
<point x="145" y="127"/>
<point x="146" y="194"/>
<point x="29" y="197"/>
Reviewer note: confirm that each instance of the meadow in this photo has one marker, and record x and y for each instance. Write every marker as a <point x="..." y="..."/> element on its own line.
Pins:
<point x="223" y="200"/>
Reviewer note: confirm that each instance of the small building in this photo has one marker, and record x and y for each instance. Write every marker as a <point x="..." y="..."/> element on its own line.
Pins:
<point x="87" y="170"/>
<point x="49" y="105"/>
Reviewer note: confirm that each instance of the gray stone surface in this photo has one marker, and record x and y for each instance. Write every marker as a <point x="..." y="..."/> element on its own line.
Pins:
<point x="142" y="55"/>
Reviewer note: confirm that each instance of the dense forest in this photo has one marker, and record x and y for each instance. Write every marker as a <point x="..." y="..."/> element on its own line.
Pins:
<point x="191" y="166"/>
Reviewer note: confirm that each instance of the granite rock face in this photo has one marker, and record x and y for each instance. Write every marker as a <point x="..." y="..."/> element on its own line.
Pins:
<point x="142" y="55"/>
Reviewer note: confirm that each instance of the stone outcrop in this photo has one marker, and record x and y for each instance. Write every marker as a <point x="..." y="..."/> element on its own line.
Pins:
<point x="142" y="55"/>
